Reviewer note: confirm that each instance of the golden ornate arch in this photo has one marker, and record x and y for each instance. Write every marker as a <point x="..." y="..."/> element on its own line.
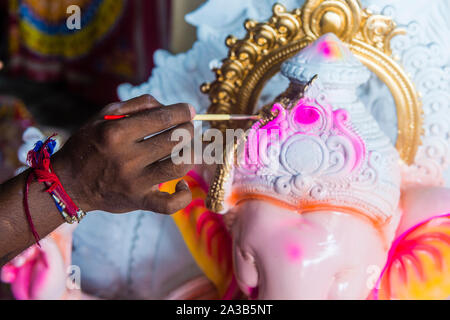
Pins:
<point x="253" y="60"/>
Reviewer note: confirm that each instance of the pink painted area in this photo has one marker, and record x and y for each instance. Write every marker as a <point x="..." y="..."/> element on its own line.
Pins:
<point x="403" y="247"/>
<point x="329" y="49"/>
<point x="26" y="273"/>
<point x="253" y="293"/>
<point x="306" y="115"/>
<point x="260" y="137"/>
<point x="293" y="252"/>
<point x="194" y="175"/>
<point x="232" y="291"/>
<point x="194" y="204"/>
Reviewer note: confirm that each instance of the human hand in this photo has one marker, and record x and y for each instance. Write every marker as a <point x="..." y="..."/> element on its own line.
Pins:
<point x="109" y="166"/>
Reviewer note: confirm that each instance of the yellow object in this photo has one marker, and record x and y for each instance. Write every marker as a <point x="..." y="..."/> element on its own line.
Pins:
<point x="419" y="264"/>
<point x="74" y="44"/>
<point x="212" y="117"/>
<point x="205" y="236"/>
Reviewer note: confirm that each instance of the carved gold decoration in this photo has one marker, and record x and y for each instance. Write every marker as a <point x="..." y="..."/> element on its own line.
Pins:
<point x="256" y="58"/>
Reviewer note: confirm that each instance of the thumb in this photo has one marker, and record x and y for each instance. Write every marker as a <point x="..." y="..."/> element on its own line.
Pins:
<point x="181" y="186"/>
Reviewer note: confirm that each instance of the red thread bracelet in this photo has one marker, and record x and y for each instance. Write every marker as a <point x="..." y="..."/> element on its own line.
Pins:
<point x="42" y="171"/>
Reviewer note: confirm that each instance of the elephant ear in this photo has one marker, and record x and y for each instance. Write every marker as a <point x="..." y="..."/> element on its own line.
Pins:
<point x="418" y="265"/>
<point x="206" y="236"/>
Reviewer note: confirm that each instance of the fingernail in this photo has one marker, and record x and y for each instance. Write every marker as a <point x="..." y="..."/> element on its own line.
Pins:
<point x="182" y="185"/>
<point x="193" y="112"/>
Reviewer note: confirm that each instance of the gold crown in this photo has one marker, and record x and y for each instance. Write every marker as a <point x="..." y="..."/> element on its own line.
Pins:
<point x="253" y="60"/>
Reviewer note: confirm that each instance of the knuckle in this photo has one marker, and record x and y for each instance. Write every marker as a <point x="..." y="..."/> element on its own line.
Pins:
<point x="112" y="107"/>
<point x="110" y="133"/>
<point x="165" y="117"/>
<point x="148" y="99"/>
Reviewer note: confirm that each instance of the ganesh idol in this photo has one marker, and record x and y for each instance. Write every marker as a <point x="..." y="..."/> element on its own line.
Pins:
<point x="319" y="199"/>
<point x="312" y="209"/>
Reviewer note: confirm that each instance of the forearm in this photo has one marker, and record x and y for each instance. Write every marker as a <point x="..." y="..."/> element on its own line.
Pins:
<point x="15" y="231"/>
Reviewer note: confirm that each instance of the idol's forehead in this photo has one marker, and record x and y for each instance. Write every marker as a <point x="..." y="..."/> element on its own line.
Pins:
<point x="262" y="204"/>
<point x="295" y="141"/>
<point x="312" y="157"/>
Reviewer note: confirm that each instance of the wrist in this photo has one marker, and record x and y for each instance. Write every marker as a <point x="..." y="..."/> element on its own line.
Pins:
<point x="62" y="167"/>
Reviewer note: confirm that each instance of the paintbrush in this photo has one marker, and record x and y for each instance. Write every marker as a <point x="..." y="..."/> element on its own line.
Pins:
<point x="203" y="117"/>
<point x="225" y="117"/>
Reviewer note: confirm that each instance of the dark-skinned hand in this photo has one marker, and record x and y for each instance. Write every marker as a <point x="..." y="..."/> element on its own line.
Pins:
<point x="109" y="166"/>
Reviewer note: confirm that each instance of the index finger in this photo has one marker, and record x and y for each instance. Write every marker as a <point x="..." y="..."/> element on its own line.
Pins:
<point x="158" y="119"/>
<point x="141" y="103"/>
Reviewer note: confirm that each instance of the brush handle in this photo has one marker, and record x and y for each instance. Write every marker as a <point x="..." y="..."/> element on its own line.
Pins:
<point x="202" y="117"/>
<point x="115" y="117"/>
<point x="225" y="117"/>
